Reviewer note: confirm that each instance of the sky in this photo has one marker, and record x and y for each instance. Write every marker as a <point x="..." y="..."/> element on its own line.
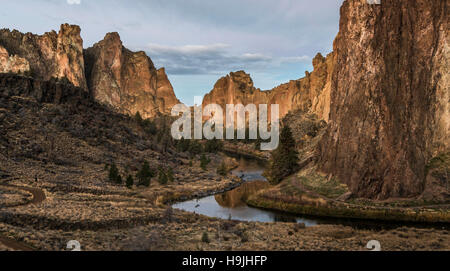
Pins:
<point x="197" y="41"/>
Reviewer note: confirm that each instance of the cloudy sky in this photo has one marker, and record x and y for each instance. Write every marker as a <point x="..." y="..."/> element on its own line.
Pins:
<point x="197" y="41"/>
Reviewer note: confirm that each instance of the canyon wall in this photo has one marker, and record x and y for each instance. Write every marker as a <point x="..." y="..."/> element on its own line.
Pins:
<point x="126" y="80"/>
<point x="389" y="96"/>
<point x="51" y="55"/>
<point x="310" y="94"/>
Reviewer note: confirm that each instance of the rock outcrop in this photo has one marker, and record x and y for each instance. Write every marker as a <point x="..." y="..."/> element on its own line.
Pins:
<point x="235" y="88"/>
<point x="51" y="55"/>
<point x="128" y="81"/>
<point x="125" y="80"/>
<point x="12" y="64"/>
<point x="389" y="96"/>
<point x="310" y="94"/>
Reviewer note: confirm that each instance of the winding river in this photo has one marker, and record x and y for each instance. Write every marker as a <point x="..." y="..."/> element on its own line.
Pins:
<point x="232" y="204"/>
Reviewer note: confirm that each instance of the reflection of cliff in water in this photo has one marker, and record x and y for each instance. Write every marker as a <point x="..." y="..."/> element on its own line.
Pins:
<point x="237" y="196"/>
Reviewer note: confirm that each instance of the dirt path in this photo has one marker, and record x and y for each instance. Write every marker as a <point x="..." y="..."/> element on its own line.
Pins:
<point x="38" y="197"/>
<point x="13" y="244"/>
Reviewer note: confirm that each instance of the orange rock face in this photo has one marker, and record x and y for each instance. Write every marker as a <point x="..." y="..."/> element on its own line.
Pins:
<point x="126" y="80"/>
<point x="311" y="93"/>
<point x="51" y="55"/>
<point x="114" y="75"/>
<point x="389" y="96"/>
<point x="12" y="64"/>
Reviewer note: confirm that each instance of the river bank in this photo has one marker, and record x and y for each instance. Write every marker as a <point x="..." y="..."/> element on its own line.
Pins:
<point x="291" y="196"/>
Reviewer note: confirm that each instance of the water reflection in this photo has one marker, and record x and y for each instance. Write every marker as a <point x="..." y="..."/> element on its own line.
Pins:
<point x="237" y="197"/>
<point x="232" y="203"/>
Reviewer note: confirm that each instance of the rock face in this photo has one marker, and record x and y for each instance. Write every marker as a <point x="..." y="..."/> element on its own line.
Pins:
<point x="14" y="64"/>
<point x="235" y="88"/>
<point x="51" y="55"/>
<point x="389" y="96"/>
<point x="126" y="80"/>
<point x="115" y="76"/>
<point x="165" y="92"/>
<point x="310" y="94"/>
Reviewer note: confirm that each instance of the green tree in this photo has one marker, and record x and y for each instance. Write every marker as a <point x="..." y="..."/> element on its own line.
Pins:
<point x="145" y="174"/>
<point x="138" y="118"/>
<point x="204" y="161"/>
<point x="284" y="160"/>
<point x="130" y="181"/>
<point x="119" y="179"/>
<point x="205" y="237"/>
<point x="162" y="176"/>
<point x="213" y="146"/>
<point x="149" y="126"/>
<point x="195" y="147"/>
<point x="170" y="174"/>
<point x="113" y="173"/>
<point x="182" y="145"/>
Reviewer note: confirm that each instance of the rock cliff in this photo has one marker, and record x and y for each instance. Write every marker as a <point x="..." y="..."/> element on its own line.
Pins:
<point x="126" y="80"/>
<point x="51" y="55"/>
<point x="384" y="90"/>
<point x="389" y="112"/>
<point x="310" y="94"/>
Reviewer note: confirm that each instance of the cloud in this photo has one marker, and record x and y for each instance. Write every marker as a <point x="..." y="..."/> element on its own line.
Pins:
<point x="189" y="49"/>
<point x="73" y="2"/>
<point x="215" y="59"/>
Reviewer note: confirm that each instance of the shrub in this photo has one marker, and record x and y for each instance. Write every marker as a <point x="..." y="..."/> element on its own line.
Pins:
<point x="222" y="169"/>
<point x="213" y="146"/>
<point x="205" y="238"/>
<point x="195" y="147"/>
<point x="204" y="161"/>
<point x="244" y="237"/>
<point x="149" y="126"/>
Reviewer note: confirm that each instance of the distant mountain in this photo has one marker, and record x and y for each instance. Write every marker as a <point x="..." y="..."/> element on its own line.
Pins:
<point x="310" y="93"/>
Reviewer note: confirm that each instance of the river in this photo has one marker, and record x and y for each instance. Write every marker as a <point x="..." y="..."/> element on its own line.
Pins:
<point x="231" y="204"/>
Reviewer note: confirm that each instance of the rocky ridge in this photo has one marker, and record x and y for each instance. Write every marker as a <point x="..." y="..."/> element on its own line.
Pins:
<point x="125" y="80"/>
<point x="310" y="93"/>
<point x="51" y="55"/>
